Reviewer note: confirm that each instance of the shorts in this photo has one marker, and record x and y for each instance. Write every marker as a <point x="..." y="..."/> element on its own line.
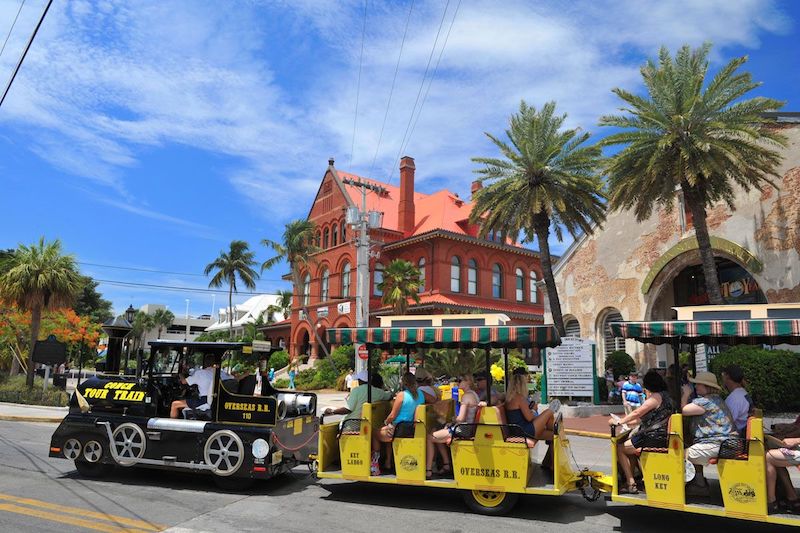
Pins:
<point x="194" y="403"/>
<point x="700" y="452"/>
<point x="791" y="456"/>
<point x="404" y="430"/>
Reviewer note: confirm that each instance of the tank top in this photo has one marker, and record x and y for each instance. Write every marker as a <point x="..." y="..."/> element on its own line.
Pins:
<point x="658" y="417"/>
<point x="471" y="409"/>
<point x="409" y="406"/>
<point x="515" y="417"/>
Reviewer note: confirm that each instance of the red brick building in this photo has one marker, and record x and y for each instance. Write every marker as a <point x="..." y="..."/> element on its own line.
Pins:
<point x="461" y="271"/>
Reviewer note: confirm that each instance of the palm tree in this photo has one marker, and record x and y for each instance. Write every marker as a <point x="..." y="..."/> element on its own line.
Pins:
<point x="237" y="262"/>
<point x="282" y="306"/>
<point x="401" y="281"/>
<point x="36" y="278"/>
<point x="701" y="141"/>
<point x="142" y="323"/>
<point x="298" y="250"/>
<point x="545" y="179"/>
<point x="163" y="318"/>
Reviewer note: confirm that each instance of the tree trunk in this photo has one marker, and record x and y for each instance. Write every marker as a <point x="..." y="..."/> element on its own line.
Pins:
<point x="542" y="229"/>
<point x="698" y="210"/>
<point x="14" y="364"/>
<point x="230" y="313"/>
<point x="36" y="321"/>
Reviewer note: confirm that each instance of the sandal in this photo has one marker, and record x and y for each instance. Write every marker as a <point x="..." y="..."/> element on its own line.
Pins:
<point x="789" y="506"/>
<point x="446" y="469"/>
<point x="773" y="508"/>
<point x="629" y="489"/>
<point x="429" y="474"/>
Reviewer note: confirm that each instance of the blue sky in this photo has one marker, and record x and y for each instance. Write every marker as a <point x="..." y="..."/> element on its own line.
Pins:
<point x="148" y="135"/>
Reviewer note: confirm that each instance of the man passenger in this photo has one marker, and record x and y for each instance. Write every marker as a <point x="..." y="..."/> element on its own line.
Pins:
<point x="738" y="401"/>
<point x="204" y="379"/>
<point x="358" y="397"/>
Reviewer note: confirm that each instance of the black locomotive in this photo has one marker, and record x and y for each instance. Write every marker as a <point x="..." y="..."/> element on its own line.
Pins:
<point x="239" y="437"/>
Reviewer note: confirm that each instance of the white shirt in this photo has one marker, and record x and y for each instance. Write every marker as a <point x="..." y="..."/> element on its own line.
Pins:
<point x="739" y="406"/>
<point x="348" y="379"/>
<point x="204" y="379"/>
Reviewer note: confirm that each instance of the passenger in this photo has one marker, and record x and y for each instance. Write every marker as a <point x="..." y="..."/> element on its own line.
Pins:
<point x="738" y="401"/>
<point x="712" y="425"/>
<point x="204" y="379"/>
<point x="438" y="440"/>
<point x="357" y="398"/>
<point x="782" y="458"/>
<point x="520" y="412"/>
<point x="481" y="383"/>
<point x="632" y="393"/>
<point x="652" y="418"/>
<point x="425" y="384"/>
<point x="403" y="410"/>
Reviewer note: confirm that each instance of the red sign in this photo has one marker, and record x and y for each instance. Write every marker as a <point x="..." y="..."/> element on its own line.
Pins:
<point x="363" y="352"/>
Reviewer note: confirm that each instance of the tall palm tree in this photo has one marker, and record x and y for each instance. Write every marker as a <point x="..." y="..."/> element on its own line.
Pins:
<point x="163" y="318"/>
<point x="282" y="306"/>
<point x="142" y="323"/>
<point x="686" y="135"/>
<point x="298" y="250"/>
<point x="36" y="278"/>
<point x="236" y="262"/>
<point x="546" y="178"/>
<point x="401" y="281"/>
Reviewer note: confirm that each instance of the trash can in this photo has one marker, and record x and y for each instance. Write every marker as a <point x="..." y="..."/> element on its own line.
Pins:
<point x="60" y="381"/>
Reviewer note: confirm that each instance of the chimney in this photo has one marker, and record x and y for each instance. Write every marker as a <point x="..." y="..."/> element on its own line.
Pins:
<point x="405" y="209"/>
<point x="476" y="186"/>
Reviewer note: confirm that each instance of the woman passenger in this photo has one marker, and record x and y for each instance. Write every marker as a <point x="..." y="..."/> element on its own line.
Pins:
<point x="519" y="412"/>
<point x="403" y="409"/>
<point x="652" y="418"/>
<point x="782" y="458"/>
<point x="438" y="440"/>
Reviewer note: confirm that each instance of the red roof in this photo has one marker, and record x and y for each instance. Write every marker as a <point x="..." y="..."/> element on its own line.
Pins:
<point x="441" y="300"/>
<point x="440" y="210"/>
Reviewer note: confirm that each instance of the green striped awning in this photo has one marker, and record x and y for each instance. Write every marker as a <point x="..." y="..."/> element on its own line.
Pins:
<point x="728" y="332"/>
<point x="484" y="336"/>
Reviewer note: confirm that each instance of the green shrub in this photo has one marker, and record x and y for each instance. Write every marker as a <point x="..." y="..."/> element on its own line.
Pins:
<point x="344" y="358"/>
<point x="622" y="363"/>
<point x="14" y="390"/>
<point x="772" y="377"/>
<point x="391" y="376"/>
<point x="281" y="383"/>
<point x="279" y="360"/>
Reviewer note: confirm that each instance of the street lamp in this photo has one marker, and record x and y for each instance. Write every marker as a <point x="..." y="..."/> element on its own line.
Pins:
<point x="130" y="315"/>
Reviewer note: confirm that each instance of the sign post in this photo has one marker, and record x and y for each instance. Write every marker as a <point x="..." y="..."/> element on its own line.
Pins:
<point x="363" y="352"/>
<point x="569" y="370"/>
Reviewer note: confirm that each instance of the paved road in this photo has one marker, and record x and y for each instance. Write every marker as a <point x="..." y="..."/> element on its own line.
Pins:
<point x="42" y="494"/>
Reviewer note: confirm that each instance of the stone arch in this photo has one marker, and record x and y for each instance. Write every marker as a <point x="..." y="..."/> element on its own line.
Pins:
<point x="302" y="339"/>
<point x="572" y="326"/>
<point x="606" y="342"/>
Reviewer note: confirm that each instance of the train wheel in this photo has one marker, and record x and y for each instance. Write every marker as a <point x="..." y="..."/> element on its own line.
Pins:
<point x="129" y="443"/>
<point x="489" y="502"/>
<point x="72" y="449"/>
<point x="89" y="464"/>
<point x="225" y="452"/>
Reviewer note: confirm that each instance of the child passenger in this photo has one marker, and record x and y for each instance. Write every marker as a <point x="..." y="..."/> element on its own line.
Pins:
<point x="438" y="440"/>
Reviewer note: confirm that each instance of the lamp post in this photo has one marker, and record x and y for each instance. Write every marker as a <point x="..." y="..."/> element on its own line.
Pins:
<point x="130" y="315"/>
<point x="186" y="333"/>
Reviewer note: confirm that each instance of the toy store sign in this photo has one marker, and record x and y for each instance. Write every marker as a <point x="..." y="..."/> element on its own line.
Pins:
<point x="570" y="368"/>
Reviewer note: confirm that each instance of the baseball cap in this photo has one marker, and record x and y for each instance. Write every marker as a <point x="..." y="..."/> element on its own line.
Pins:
<point x="362" y="376"/>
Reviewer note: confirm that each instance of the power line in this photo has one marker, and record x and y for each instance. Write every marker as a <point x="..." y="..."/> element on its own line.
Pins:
<point x="12" y="28"/>
<point x="419" y="93"/>
<point x="358" y="85"/>
<point x="391" y="91"/>
<point x="433" y="75"/>
<point x="25" y="52"/>
<point x="204" y="290"/>
<point x="154" y="271"/>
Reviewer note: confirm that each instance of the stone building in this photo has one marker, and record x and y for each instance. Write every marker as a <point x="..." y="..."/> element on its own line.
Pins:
<point x="638" y="271"/>
<point x="462" y="272"/>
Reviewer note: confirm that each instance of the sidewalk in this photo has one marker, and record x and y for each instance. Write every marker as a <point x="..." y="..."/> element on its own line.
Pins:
<point x="31" y="413"/>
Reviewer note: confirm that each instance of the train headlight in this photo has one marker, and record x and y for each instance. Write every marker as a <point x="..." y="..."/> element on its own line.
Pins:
<point x="260" y="448"/>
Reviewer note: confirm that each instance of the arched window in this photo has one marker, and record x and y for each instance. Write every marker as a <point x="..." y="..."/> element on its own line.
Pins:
<point x="344" y="233"/>
<point x="317" y="239"/>
<point x="378" y="279"/>
<point x="497" y="281"/>
<point x="306" y="289"/>
<point x="472" y="277"/>
<point x="324" y="288"/>
<point x="519" y="284"/>
<point x="335" y="237"/>
<point x="421" y="267"/>
<point x="346" y="281"/>
<point x="611" y="342"/>
<point x="534" y="290"/>
<point x="572" y="328"/>
<point x="455" y="274"/>
<point x="325" y="238"/>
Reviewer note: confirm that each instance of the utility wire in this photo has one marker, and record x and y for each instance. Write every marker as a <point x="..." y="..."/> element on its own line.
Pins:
<point x="433" y="75"/>
<point x="391" y="91"/>
<point x="205" y="290"/>
<point x="154" y="271"/>
<point x="12" y="28"/>
<point x="358" y="85"/>
<point x="25" y="53"/>
<point x="419" y="93"/>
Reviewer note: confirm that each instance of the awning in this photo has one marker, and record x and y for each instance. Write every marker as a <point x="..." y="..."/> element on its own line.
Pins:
<point x="483" y="336"/>
<point x="729" y="332"/>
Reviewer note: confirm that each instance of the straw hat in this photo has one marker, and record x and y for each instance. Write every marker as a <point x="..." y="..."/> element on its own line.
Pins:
<point x="706" y="378"/>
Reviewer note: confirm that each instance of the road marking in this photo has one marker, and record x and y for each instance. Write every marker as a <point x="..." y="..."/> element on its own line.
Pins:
<point x="60" y="510"/>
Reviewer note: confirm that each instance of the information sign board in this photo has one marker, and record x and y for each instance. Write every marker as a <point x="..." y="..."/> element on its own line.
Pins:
<point x="570" y="369"/>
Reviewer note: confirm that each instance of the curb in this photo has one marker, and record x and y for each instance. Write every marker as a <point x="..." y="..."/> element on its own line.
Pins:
<point x="581" y="433"/>
<point x="45" y="419"/>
